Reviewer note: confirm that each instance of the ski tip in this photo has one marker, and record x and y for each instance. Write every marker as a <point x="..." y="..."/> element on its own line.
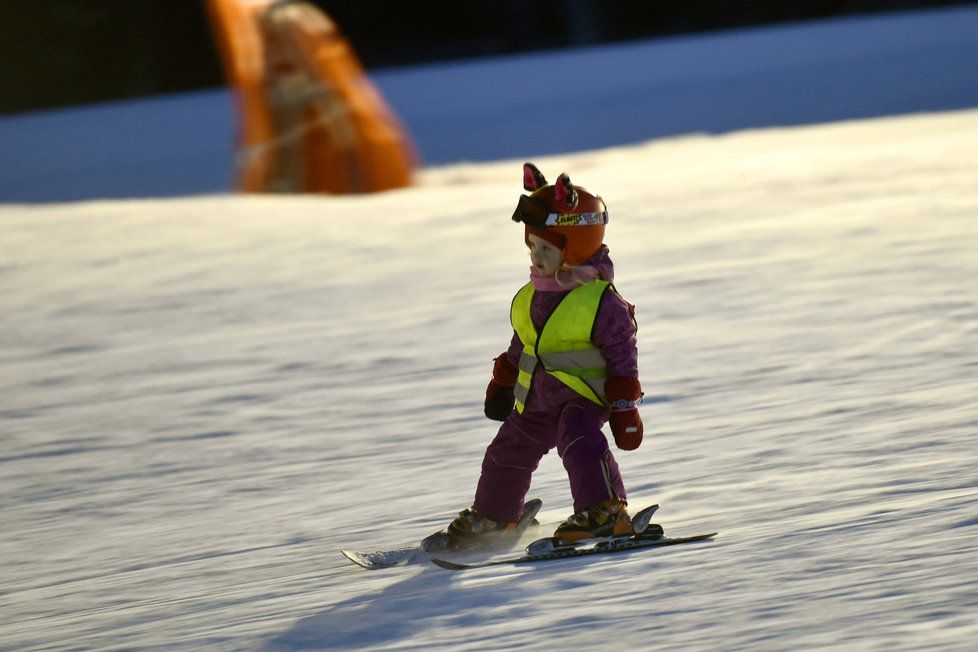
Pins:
<point x="448" y="565"/>
<point x="701" y="537"/>
<point x="382" y="558"/>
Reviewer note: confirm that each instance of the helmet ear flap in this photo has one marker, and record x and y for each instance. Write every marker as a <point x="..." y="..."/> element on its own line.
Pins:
<point x="533" y="179"/>
<point x="564" y="192"/>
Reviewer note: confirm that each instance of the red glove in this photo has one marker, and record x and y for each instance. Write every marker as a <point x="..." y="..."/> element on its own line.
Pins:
<point x="626" y="423"/>
<point x="499" y="393"/>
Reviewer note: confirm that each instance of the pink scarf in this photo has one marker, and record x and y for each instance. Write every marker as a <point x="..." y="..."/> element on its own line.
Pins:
<point x="566" y="278"/>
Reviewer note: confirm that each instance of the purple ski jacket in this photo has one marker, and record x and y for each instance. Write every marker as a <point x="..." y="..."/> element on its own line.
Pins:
<point x="614" y="334"/>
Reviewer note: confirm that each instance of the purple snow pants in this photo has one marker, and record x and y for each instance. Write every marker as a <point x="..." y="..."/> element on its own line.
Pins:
<point x="524" y="439"/>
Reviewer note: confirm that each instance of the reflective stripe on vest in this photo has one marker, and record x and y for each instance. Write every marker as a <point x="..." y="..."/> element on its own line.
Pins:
<point x="564" y="348"/>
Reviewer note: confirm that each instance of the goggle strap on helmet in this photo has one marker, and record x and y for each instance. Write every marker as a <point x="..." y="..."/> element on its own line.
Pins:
<point x="576" y="219"/>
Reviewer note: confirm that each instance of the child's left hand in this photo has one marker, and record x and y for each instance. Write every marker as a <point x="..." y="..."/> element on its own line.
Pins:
<point x="625" y="421"/>
<point x="626" y="426"/>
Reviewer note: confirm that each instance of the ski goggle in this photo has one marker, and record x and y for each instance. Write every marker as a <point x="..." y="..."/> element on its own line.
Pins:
<point x="535" y="213"/>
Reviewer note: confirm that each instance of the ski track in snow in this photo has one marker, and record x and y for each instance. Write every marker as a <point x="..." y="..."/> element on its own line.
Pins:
<point x="206" y="398"/>
<point x="203" y="398"/>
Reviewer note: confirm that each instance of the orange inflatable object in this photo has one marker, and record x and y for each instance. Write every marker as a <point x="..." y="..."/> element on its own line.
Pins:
<point x="310" y="119"/>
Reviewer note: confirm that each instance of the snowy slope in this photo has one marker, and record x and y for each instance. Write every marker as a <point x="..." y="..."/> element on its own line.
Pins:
<point x="203" y="398"/>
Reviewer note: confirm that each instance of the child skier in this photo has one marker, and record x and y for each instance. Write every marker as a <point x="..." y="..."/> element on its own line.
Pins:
<point x="572" y="365"/>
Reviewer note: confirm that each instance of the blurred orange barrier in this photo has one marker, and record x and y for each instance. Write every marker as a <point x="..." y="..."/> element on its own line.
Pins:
<point x="310" y="119"/>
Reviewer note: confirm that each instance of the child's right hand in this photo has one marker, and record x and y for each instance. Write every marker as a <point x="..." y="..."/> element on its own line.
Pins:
<point x="499" y="393"/>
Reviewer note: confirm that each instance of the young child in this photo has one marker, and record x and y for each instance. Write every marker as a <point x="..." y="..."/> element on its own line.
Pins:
<point x="571" y="367"/>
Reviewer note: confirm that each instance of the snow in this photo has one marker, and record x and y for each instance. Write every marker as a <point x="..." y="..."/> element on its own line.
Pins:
<point x="206" y="396"/>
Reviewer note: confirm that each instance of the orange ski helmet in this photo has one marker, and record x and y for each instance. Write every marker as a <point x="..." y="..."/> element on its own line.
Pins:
<point x="567" y="216"/>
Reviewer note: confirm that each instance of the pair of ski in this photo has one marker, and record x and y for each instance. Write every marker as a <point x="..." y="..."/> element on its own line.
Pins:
<point x="646" y="535"/>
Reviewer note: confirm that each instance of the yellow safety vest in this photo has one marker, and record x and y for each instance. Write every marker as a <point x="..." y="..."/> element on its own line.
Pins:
<point x="563" y="348"/>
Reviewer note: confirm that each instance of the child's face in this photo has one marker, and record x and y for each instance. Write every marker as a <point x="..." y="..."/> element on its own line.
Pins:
<point x="545" y="257"/>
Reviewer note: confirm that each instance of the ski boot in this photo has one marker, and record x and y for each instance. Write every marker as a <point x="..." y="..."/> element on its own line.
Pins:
<point x="472" y="530"/>
<point x="608" y="518"/>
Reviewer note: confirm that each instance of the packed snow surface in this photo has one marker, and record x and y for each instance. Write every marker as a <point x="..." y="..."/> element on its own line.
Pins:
<point x="204" y="398"/>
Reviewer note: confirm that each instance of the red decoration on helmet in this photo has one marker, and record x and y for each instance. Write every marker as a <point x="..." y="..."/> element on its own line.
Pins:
<point x="564" y="194"/>
<point x="533" y="179"/>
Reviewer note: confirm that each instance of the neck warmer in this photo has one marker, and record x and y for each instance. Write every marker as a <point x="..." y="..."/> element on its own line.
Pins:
<point x="564" y="279"/>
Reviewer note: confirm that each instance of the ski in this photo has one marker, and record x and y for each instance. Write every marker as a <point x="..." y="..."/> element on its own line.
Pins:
<point x="435" y="543"/>
<point x="378" y="559"/>
<point x="642" y="528"/>
<point x="602" y="546"/>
